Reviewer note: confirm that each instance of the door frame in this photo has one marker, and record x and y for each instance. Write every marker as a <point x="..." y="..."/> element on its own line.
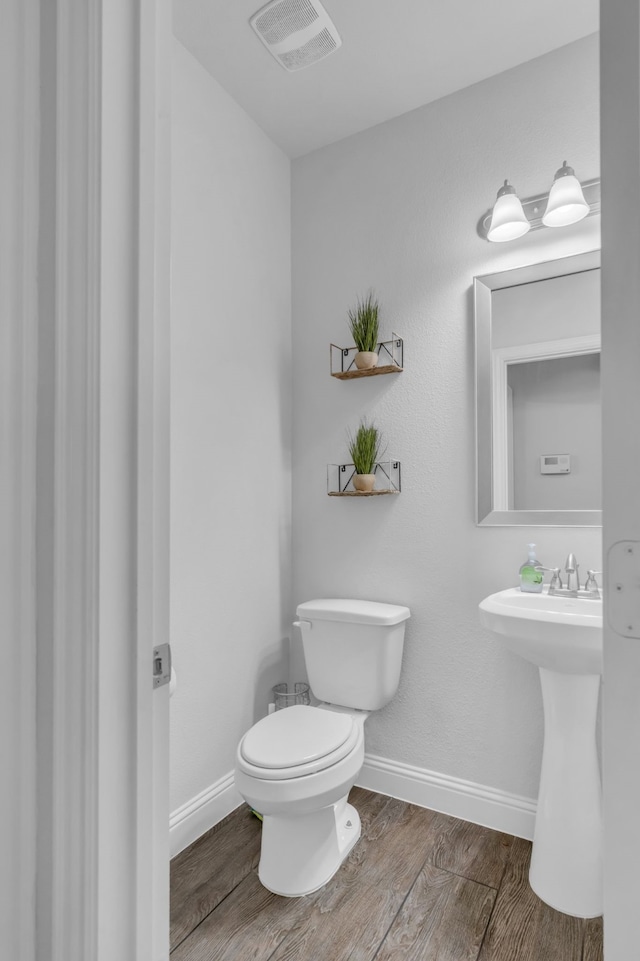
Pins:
<point x="153" y="472"/>
<point x="620" y="134"/>
<point x="107" y="792"/>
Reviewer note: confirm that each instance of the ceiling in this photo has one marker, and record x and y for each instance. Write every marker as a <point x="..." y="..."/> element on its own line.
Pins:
<point x="395" y="55"/>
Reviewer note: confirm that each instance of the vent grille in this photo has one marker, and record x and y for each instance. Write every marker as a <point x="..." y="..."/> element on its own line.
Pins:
<point x="296" y="33"/>
<point x="316" y="48"/>
<point x="281" y="20"/>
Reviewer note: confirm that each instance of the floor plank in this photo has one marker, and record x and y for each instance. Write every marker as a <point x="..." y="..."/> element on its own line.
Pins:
<point x="472" y="851"/>
<point x="249" y="924"/>
<point x="443" y="919"/>
<point x="593" y="944"/>
<point x="348" y="919"/>
<point x="204" y="874"/>
<point x="368" y="805"/>
<point x="393" y="846"/>
<point x="522" y="927"/>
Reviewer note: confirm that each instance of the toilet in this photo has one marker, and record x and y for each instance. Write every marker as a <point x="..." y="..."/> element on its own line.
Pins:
<point x="297" y="766"/>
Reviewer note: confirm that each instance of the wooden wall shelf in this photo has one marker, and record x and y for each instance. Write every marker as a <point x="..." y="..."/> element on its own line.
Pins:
<point x="390" y="352"/>
<point x="371" y="372"/>
<point x="360" y="493"/>
<point x="340" y="480"/>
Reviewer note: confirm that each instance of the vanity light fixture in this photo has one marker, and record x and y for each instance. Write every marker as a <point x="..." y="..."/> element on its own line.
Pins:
<point x="508" y="219"/>
<point x="568" y="202"/>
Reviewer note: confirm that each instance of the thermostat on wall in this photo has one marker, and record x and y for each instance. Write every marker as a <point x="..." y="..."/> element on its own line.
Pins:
<point x="555" y="464"/>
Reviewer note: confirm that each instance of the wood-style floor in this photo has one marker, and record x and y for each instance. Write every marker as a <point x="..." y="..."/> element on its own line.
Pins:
<point x="418" y="886"/>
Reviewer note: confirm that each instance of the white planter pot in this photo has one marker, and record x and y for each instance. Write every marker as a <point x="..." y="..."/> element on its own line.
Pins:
<point x="364" y="482"/>
<point x="366" y="359"/>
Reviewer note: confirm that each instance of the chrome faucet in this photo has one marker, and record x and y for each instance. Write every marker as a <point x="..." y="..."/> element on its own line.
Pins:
<point x="572" y="588"/>
<point x="571" y="567"/>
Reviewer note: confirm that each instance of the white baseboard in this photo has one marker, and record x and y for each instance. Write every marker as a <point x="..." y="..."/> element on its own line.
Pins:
<point x="197" y="816"/>
<point x="473" y="802"/>
<point x="490" y="807"/>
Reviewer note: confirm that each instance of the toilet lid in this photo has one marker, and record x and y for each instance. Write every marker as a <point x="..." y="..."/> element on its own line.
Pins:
<point x="295" y="736"/>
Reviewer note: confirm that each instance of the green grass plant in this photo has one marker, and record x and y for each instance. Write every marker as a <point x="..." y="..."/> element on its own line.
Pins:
<point x="364" y="448"/>
<point x="363" y="323"/>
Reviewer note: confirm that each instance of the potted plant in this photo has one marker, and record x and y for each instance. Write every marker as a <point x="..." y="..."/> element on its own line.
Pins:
<point x="363" y="323"/>
<point x="364" y="450"/>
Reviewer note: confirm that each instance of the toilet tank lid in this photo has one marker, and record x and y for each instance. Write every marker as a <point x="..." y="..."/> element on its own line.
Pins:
<point x="349" y="610"/>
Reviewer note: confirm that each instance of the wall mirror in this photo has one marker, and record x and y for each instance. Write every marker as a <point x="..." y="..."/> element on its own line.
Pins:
<point x="537" y="331"/>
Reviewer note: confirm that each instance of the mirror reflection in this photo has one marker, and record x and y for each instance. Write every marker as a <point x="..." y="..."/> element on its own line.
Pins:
<point x="538" y="393"/>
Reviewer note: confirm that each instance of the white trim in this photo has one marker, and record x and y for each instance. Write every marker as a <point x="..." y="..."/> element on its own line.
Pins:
<point x="501" y="359"/>
<point x="197" y="816"/>
<point x="490" y="807"/>
<point x="153" y="472"/>
<point x="133" y="859"/>
<point x="72" y="884"/>
<point x="620" y="144"/>
<point x="19" y="196"/>
<point x="542" y="270"/>
<point x="546" y="350"/>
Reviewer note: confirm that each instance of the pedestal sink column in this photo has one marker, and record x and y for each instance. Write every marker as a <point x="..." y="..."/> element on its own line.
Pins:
<point x="566" y="861"/>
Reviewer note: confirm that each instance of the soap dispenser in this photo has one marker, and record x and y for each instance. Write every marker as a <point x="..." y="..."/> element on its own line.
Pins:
<point x="531" y="579"/>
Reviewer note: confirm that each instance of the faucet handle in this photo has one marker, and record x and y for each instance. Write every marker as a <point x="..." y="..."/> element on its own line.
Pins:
<point x="591" y="583"/>
<point x="556" y="580"/>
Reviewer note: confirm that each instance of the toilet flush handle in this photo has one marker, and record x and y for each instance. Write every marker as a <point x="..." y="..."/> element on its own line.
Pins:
<point x="303" y="625"/>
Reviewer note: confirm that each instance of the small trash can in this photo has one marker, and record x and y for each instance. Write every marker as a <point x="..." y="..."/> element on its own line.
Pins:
<point x="282" y="697"/>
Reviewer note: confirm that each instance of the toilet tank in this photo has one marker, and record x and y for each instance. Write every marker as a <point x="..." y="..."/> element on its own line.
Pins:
<point x="353" y="650"/>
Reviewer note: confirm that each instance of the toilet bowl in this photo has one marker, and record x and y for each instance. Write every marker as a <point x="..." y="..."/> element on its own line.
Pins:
<point x="297" y="766"/>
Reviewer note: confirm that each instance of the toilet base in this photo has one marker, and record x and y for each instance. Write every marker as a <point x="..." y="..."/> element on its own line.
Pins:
<point x="300" y="854"/>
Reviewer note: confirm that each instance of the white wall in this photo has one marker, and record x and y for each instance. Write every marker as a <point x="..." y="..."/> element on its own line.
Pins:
<point x="230" y="425"/>
<point x="396" y="208"/>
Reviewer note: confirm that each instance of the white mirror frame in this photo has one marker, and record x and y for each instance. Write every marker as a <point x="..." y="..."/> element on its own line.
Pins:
<point x="491" y="406"/>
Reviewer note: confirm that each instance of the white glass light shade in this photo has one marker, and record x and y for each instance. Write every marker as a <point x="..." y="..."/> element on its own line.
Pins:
<point x="508" y="219"/>
<point x="566" y="204"/>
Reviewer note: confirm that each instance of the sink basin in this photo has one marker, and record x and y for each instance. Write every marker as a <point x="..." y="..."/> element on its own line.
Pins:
<point x="558" y="633"/>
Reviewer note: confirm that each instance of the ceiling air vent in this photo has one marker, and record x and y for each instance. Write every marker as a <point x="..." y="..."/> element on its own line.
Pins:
<point x="296" y="32"/>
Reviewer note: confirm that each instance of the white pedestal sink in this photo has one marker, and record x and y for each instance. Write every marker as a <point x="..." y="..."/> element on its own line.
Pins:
<point x="563" y="637"/>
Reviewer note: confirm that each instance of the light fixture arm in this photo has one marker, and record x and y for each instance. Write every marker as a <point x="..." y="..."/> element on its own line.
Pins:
<point x="506" y="189"/>
<point x="564" y="171"/>
<point x="534" y="207"/>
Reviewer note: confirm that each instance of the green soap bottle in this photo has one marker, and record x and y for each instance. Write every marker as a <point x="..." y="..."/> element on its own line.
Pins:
<point x="531" y="579"/>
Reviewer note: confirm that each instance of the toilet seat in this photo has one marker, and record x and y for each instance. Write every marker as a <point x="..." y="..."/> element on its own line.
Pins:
<point x="296" y="742"/>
